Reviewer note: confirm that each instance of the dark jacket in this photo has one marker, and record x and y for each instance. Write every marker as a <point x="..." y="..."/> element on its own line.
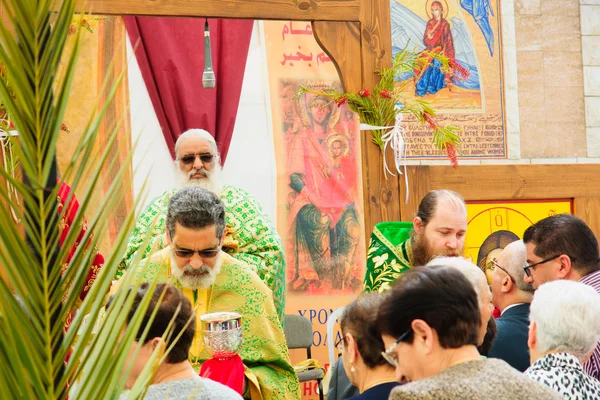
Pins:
<point x="510" y="344"/>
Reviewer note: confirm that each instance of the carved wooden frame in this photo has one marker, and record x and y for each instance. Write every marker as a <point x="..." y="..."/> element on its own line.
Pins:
<point x="355" y="34"/>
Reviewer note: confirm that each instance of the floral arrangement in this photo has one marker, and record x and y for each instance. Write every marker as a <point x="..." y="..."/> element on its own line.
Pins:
<point x="380" y="107"/>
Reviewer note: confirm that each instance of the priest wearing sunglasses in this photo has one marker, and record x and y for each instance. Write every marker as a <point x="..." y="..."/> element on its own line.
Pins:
<point x="214" y="281"/>
<point x="250" y="236"/>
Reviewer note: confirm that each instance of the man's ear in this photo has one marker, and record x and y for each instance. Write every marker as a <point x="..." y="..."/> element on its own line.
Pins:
<point x="507" y="284"/>
<point x="223" y="235"/>
<point x="565" y="266"/>
<point x="168" y="237"/>
<point x="418" y="225"/>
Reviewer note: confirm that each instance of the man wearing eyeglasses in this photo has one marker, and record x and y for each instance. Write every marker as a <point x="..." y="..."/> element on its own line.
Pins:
<point x="250" y="236"/>
<point x="512" y="296"/>
<point x="213" y="281"/>
<point x="564" y="247"/>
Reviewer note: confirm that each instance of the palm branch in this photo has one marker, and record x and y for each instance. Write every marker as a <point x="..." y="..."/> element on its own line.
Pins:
<point x="38" y="294"/>
<point x="380" y="107"/>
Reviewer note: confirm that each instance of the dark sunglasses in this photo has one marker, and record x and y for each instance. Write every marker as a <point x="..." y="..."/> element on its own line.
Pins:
<point x="527" y="267"/>
<point x="190" y="158"/>
<point x="185" y="253"/>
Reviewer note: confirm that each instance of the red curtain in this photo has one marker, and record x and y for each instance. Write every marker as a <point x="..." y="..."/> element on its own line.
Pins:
<point x="170" y="53"/>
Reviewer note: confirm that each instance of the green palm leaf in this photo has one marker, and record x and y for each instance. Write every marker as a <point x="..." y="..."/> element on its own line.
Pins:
<point x="32" y="308"/>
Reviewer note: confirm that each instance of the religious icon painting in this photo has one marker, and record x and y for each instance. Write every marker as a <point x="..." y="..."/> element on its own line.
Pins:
<point x="468" y="33"/>
<point x="324" y="242"/>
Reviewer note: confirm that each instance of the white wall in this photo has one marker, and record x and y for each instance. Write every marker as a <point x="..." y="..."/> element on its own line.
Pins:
<point x="250" y="163"/>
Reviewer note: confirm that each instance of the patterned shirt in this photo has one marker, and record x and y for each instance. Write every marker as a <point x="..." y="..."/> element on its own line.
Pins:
<point x="251" y="238"/>
<point x="564" y="373"/>
<point x="592" y="367"/>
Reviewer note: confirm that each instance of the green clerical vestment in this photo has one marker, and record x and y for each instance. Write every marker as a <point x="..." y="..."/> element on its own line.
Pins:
<point x="237" y="289"/>
<point x="251" y="238"/>
<point x="389" y="255"/>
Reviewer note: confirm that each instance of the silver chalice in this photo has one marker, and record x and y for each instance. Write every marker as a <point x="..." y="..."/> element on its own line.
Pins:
<point x="222" y="333"/>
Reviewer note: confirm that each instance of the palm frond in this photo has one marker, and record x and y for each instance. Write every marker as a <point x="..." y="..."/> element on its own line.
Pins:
<point x="37" y="295"/>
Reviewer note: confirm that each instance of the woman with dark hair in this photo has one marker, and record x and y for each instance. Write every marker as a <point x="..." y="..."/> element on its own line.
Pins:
<point x="174" y="377"/>
<point x="361" y="347"/>
<point x="430" y="323"/>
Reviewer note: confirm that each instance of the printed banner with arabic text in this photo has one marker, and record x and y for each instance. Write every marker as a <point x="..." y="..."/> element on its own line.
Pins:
<point x="319" y="183"/>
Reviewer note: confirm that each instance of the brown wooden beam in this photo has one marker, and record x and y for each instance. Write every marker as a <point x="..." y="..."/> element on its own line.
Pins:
<point x="295" y="10"/>
<point x="500" y="182"/>
<point x="381" y="193"/>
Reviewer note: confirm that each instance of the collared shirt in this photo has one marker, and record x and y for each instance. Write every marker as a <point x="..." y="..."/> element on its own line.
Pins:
<point x="564" y="373"/>
<point x="509" y="307"/>
<point x="592" y="367"/>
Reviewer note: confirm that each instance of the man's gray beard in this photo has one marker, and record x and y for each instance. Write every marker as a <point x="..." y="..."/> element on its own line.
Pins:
<point x="213" y="180"/>
<point x="196" y="282"/>
<point x="422" y="252"/>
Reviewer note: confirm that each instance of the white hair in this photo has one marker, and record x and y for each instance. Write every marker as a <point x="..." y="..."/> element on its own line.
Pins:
<point x="473" y="273"/>
<point x="197" y="134"/>
<point x="567" y="316"/>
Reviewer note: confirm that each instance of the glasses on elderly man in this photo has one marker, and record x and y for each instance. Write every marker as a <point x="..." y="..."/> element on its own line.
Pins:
<point x="528" y="267"/>
<point x="190" y="158"/>
<point x="390" y="354"/>
<point x="496" y="265"/>
<point x="187" y="253"/>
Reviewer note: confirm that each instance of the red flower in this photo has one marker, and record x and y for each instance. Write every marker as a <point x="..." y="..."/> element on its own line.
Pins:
<point x="64" y="127"/>
<point x="11" y="125"/>
<point x="363" y="93"/>
<point x="72" y="29"/>
<point x="430" y="119"/>
<point x="385" y="94"/>
<point x="341" y="101"/>
<point x="452" y="155"/>
<point x="459" y="68"/>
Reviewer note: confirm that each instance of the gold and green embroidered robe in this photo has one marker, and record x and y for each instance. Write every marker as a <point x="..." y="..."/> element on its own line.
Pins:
<point x="252" y="239"/>
<point x="237" y="289"/>
<point x="389" y="255"/>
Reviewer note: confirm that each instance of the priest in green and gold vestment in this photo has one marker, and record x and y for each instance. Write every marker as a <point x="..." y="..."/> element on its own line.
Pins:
<point x="438" y="229"/>
<point x="250" y="238"/>
<point x="214" y="282"/>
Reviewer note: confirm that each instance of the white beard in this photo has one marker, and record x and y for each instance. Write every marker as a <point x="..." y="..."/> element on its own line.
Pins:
<point x="195" y="282"/>
<point x="212" y="182"/>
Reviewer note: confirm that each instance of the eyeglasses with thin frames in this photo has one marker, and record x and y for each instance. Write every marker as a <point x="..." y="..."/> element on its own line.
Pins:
<point x="527" y="267"/>
<point x="190" y="158"/>
<point x="496" y="265"/>
<point x="390" y="353"/>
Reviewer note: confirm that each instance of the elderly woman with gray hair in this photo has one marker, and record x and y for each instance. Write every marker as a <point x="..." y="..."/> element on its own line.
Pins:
<point x="478" y="279"/>
<point x="564" y="330"/>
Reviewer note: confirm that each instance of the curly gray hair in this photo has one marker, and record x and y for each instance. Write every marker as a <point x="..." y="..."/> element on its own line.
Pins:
<point x="195" y="208"/>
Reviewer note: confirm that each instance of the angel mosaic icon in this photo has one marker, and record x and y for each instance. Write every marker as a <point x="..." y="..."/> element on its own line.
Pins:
<point x="323" y="192"/>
